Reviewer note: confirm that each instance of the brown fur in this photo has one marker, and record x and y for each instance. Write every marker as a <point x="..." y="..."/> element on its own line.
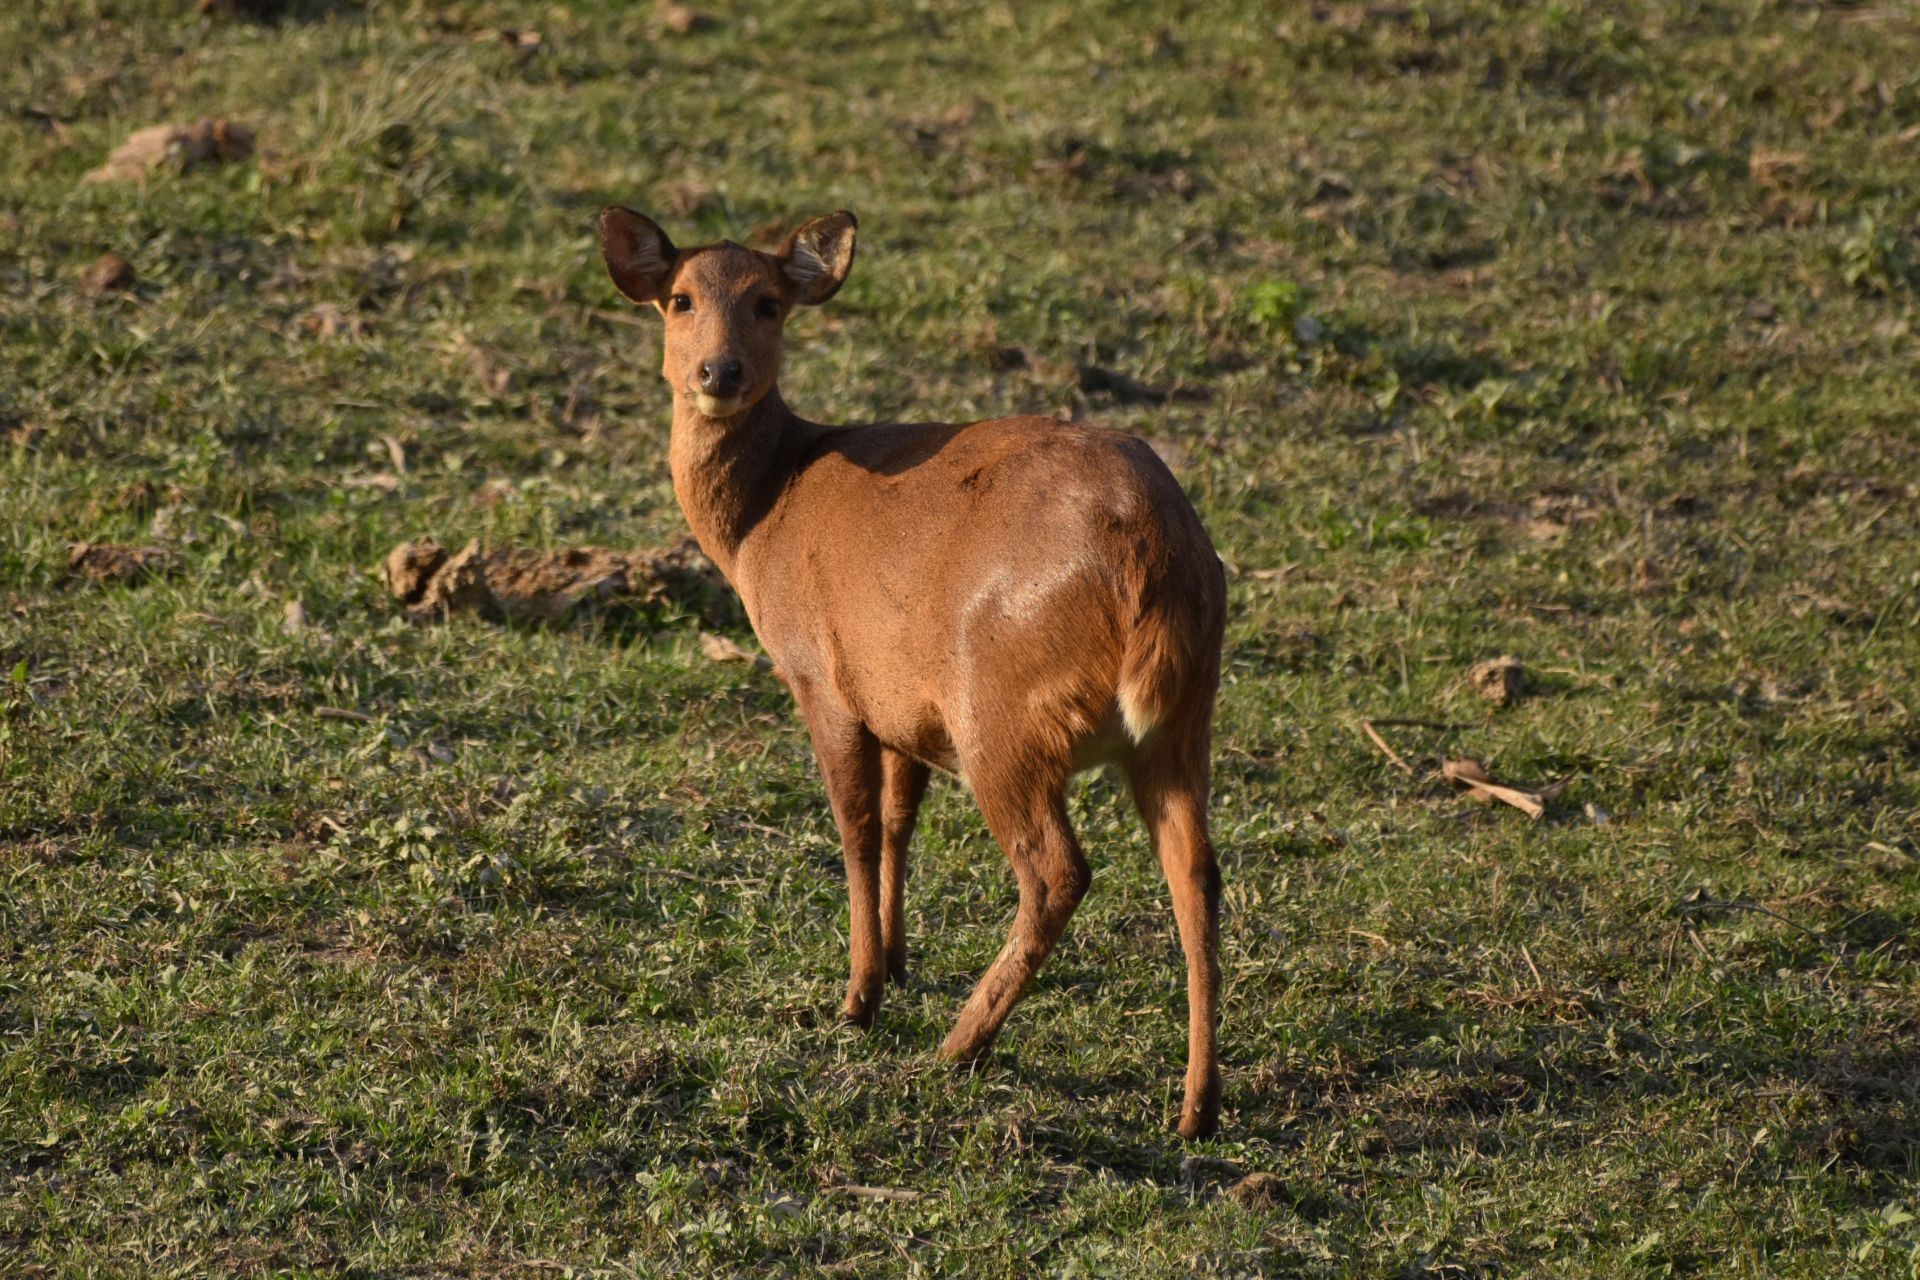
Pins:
<point x="1010" y="601"/>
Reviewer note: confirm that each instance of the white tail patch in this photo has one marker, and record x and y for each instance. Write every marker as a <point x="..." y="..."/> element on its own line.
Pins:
<point x="1138" y="718"/>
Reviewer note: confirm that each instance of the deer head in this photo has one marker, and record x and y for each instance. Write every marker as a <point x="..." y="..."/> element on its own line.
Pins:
<point x="725" y="305"/>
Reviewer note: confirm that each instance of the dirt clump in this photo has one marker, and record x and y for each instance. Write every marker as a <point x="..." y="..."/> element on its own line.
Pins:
<point x="683" y="20"/>
<point x="1499" y="680"/>
<point x="109" y="273"/>
<point x="514" y="584"/>
<point x="1259" y="1191"/>
<point x="112" y="562"/>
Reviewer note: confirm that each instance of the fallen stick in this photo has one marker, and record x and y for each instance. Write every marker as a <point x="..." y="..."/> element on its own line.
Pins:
<point x="1366" y="727"/>
<point x="876" y="1193"/>
<point x="1472" y="775"/>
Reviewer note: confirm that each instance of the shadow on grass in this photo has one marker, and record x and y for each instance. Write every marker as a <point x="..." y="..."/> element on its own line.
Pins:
<point x="281" y="12"/>
<point x="1858" y="1108"/>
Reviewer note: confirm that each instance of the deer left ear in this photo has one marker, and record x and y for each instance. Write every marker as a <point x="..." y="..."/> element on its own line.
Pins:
<point x="638" y="254"/>
<point x="818" y="256"/>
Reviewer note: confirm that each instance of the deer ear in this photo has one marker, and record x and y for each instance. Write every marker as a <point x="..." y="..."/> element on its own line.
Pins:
<point x="818" y="256"/>
<point x="639" y="256"/>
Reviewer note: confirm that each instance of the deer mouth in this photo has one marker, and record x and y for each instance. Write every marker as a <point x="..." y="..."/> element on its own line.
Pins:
<point x="718" y="406"/>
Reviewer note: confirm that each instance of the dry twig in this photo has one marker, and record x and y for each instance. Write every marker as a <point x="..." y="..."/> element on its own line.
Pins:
<point x="1366" y="727"/>
<point x="1472" y="775"/>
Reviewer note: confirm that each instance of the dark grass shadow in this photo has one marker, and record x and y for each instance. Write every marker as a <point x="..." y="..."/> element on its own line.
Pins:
<point x="273" y="13"/>
<point x="1863" y="1114"/>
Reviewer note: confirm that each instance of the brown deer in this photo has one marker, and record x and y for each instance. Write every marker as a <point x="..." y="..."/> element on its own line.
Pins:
<point x="1009" y="601"/>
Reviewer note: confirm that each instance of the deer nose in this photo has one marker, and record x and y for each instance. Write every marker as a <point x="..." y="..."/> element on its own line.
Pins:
<point x="720" y="377"/>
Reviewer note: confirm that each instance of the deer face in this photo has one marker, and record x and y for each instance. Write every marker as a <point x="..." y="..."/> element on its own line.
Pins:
<point x="724" y="305"/>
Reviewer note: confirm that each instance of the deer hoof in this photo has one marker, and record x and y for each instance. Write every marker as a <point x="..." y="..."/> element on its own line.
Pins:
<point x="1200" y="1117"/>
<point x="860" y="1009"/>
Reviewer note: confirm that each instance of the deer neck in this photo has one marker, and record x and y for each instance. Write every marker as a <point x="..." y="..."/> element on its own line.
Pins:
<point x="728" y="472"/>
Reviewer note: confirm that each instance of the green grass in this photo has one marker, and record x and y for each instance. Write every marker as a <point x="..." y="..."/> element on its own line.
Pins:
<point x="1584" y="332"/>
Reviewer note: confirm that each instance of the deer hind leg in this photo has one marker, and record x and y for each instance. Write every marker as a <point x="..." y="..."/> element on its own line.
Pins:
<point x="1169" y="781"/>
<point x="849" y="758"/>
<point x="1028" y="816"/>
<point x="903" y="783"/>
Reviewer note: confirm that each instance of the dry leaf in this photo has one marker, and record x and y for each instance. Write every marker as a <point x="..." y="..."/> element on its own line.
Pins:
<point x="720" y="649"/>
<point x="1773" y="169"/>
<point x="183" y="146"/>
<point x="492" y="373"/>
<point x="1647" y="578"/>
<point x="325" y="320"/>
<point x="385" y="481"/>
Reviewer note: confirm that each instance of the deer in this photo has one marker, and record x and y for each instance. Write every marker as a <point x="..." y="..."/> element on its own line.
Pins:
<point x="1011" y="602"/>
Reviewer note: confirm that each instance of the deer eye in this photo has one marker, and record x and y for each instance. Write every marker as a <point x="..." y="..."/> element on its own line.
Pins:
<point x="680" y="302"/>
<point x="767" y="308"/>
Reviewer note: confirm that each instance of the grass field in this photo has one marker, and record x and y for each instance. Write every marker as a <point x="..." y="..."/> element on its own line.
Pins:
<point x="1580" y="332"/>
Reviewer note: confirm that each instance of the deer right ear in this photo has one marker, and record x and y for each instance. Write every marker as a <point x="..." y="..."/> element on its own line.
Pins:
<point x="817" y="257"/>
<point x="639" y="256"/>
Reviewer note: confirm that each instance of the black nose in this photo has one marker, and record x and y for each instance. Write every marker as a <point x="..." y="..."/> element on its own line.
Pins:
<point x="721" y="377"/>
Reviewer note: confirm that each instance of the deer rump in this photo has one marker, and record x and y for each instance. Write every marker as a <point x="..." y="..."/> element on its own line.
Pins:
<point x="1016" y="585"/>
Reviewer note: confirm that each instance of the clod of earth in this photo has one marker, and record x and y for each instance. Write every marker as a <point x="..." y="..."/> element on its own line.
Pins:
<point x="683" y="20"/>
<point x="109" y="273"/>
<point x="515" y="584"/>
<point x="110" y="562"/>
<point x="1498" y="680"/>
<point x="1259" y="1191"/>
<point x="1472" y="775"/>
<point x="181" y="146"/>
